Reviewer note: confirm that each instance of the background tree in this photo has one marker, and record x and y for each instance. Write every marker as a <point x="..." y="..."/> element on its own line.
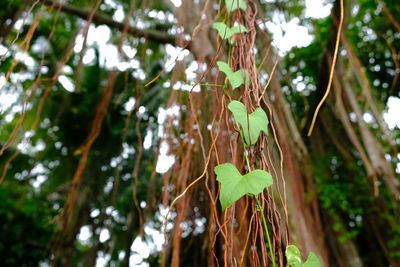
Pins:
<point x="111" y="109"/>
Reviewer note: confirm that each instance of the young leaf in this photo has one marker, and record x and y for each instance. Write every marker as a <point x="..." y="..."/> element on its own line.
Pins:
<point x="237" y="29"/>
<point x="252" y="124"/>
<point x="234" y="185"/>
<point x="232" y="5"/>
<point x="312" y="261"/>
<point x="222" y="29"/>
<point x="236" y="78"/>
<point x="225" y="32"/>
<point x="293" y="256"/>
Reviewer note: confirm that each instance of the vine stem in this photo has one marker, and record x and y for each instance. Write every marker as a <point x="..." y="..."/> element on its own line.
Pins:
<point x="259" y="208"/>
<point x="335" y="53"/>
<point x="266" y="233"/>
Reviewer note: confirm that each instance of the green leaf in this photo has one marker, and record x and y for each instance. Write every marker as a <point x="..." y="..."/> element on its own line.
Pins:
<point x="312" y="261"/>
<point x="237" y="29"/>
<point x="234" y="185"/>
<point x="252" y="124"/>
<point x="232" y="5"/>
<point x="236" y="78"/>
<point x="222" y="29"/>
<point x="225" y="32"/>
<point x="293" y="256"/>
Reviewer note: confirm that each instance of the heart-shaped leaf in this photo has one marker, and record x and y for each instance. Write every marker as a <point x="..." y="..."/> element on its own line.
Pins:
<point x="236" y="78"/>
<point x="293" y="257"/>
<point x="252" y="123"/>
<point x="234" y="185"/>
<point x="232" y="5"/>
<point x="312" y="261"/>
<point x="225" y="32"/>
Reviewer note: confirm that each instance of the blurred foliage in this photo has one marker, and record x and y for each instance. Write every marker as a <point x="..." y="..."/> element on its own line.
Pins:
<point x="26" y="226"/>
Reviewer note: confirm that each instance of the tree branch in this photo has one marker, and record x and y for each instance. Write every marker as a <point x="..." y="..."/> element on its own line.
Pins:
<point x="100" y="19"/>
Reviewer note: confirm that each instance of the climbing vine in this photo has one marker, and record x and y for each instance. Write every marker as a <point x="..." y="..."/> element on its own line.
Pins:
<point x="234" y="185"/>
